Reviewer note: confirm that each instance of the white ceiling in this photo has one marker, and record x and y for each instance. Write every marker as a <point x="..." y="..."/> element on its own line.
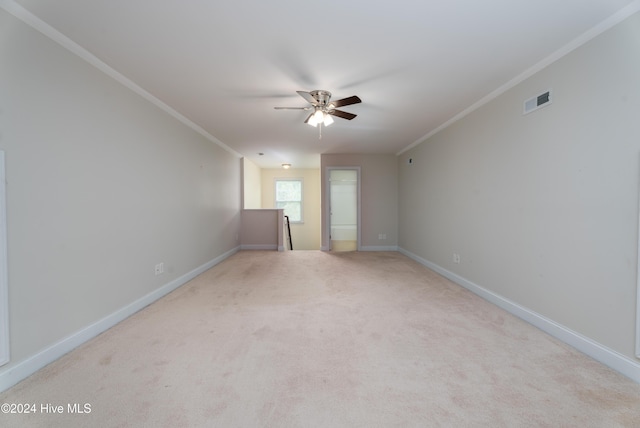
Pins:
<point x="415" y="64"/>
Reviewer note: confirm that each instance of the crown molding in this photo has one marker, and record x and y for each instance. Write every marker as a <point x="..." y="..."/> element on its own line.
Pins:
<point x="39" y="25"/>
<point x="585" y="37"/>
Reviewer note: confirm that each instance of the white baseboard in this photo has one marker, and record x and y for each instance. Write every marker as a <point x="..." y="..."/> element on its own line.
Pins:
<point x="595" y="350"/>
<point x="378" y="248"/>
<point x="370" y="248"/>
<point x="15" y="373"/>
<point x="260" y="247"/>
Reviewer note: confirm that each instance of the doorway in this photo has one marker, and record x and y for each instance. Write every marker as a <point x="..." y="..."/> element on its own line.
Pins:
<point x="344" y="208"/>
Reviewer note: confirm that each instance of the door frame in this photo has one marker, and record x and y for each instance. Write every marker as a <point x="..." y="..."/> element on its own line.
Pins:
<point x="4" y="283"/>
<point x="638" y="287"/>
<point x="327" y="204"/>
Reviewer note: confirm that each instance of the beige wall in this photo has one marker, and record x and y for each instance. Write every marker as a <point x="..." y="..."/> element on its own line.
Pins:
<point x="251" y="185"/>
<point x="101" y="186"/>
<point x="306" y="236"/>
<point x="542" y="208"/>
<point x="379" y="198"/>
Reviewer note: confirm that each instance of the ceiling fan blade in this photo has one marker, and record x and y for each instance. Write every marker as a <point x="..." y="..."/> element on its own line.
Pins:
<point x="307" y="96"/>
<point x="342" y="114"/>
<point x="346" y="101"/>
<point x="292" y="108"/>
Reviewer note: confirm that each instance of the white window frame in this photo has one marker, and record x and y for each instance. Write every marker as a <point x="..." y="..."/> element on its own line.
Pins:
<point x="275" y="196"/>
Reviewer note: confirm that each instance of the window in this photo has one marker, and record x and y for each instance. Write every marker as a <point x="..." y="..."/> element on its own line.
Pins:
<point x="289" y="197"/>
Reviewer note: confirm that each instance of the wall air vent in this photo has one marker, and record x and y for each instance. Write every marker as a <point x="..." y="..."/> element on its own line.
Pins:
<point x="539" y="101"/>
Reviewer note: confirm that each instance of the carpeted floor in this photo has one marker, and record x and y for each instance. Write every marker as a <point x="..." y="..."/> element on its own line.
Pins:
<point x="314" y="339"/>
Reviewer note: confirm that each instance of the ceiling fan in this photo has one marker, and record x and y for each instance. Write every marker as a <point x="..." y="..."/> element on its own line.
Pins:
<point x="323" y="108"/>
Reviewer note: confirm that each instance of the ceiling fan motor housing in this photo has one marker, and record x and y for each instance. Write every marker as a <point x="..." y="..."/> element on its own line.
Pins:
<point x="322" y="96"/>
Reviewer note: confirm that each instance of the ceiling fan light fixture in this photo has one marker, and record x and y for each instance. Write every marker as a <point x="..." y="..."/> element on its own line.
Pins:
<point x="313" y="121"/>
<point x="328" y="120"/>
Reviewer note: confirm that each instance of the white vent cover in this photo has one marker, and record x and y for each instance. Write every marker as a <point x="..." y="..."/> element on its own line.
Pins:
<point x="536" y="102"/>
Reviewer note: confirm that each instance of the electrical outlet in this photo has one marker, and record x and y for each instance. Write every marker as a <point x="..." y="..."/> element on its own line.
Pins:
<point x="160" y="268"/>
<point x="456" y="258"/>
<point x="382" y="236"/>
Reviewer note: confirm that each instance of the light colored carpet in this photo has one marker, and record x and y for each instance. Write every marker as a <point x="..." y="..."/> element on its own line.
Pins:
<point x="313" y="339"/>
